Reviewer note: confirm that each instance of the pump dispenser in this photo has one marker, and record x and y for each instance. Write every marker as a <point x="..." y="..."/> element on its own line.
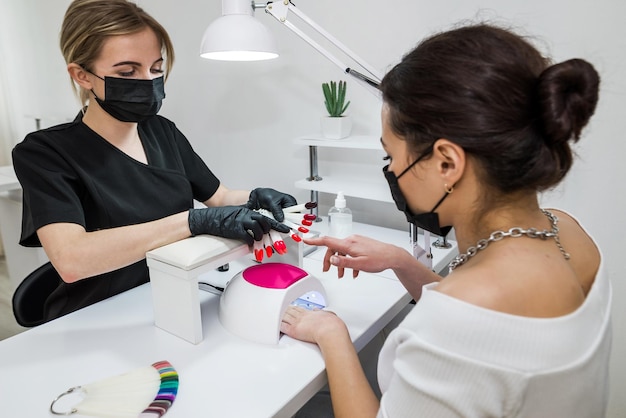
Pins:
<point x="339" y="218"/>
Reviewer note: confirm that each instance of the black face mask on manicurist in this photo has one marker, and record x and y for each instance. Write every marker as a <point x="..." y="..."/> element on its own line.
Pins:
<point x="131" y="100"/>
<point x="428" y="221"/>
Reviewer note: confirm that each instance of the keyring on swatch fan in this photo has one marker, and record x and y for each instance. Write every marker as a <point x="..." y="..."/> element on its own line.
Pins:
<point x="146" y="391"/>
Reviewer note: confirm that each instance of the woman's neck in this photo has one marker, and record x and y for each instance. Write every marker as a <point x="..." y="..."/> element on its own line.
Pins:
<point x="122" y="135"/>
<point x="111" y="129"/>
<point x="522" y="212"/>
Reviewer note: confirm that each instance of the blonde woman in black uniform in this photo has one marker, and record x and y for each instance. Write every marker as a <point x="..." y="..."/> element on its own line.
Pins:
<point x="119" y="180"/>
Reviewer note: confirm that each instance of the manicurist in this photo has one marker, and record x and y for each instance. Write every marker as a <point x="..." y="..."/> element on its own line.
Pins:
<point x="120" y="180"/>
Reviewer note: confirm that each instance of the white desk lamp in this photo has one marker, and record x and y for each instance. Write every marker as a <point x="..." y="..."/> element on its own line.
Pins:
<point x="236" y="36"/>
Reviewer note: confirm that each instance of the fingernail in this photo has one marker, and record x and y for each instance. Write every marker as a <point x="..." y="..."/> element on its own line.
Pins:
<point x="309" y="216"/>
<point x="296" y="238"/>
<point x="307" y="222"/>
<point x="334" y="260"/>
<point x="280" y="247"/>
<point x="259" y="255"/>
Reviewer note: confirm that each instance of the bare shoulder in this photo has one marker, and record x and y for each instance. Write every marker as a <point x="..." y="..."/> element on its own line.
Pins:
<point x="584" y="254"/>
<point x="529" y="277"/>
<point x="487" y="285"/>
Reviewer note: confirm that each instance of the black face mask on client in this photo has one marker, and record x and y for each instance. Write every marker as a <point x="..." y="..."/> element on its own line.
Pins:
<point x="130" y="99"/>
<point x="428" y="221"/>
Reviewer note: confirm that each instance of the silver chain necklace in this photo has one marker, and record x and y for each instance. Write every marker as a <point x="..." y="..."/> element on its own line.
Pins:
<point x="516" y="232"/>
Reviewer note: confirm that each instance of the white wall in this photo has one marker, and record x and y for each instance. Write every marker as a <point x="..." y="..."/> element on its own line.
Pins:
<point x="241" y="117"/>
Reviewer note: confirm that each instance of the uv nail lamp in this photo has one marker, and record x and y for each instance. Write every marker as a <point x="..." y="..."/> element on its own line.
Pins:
<point x="255" y="300"/>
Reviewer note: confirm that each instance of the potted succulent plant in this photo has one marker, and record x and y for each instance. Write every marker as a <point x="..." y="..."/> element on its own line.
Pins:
<point x="336" y="125"/>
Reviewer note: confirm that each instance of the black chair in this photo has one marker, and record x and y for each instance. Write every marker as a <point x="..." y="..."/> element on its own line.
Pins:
<point x="31" y="294"/>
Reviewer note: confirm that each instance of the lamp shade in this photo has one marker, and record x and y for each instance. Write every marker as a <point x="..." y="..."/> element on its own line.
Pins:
<point x="238" y="37"/>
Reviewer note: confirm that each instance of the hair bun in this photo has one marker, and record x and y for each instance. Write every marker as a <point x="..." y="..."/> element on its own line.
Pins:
<point x="568" y="94"/>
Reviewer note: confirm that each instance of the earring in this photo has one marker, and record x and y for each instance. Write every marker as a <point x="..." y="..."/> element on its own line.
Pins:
<point x="448" y="190"/>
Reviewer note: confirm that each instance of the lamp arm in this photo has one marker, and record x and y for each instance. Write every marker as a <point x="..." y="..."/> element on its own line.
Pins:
<point x="315" y="45"/>
<point x="370" y="69"/>
<point x="279" y="10"/>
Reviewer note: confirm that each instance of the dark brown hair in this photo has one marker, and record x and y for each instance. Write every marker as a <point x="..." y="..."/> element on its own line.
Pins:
<point x="492" y="93"/>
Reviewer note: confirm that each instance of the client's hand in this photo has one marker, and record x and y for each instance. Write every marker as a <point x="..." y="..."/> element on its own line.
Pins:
<point x="235" y="222"/>
<point x="357" y="253"/>
<point x="272" y="200"/>
<point x="311" y="326"/>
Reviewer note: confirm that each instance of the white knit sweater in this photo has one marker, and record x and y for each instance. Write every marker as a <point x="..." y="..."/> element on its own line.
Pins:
<point x="449" y="358"/>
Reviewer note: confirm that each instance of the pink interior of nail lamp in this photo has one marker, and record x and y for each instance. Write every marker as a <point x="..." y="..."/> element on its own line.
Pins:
<point x="273" y="275"/>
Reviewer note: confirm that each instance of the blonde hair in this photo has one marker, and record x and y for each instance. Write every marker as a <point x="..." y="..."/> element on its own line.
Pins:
<point x="88" y="23"/>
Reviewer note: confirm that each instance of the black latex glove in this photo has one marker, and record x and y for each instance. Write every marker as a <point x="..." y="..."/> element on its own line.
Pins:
<point x="232" y="222"/>
<point x="272" y="200"/>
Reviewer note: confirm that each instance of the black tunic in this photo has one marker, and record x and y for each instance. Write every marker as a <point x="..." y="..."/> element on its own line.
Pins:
<point x="71" y="174"/>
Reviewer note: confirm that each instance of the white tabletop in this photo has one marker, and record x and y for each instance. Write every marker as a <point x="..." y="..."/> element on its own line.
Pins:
<point x="223" y="376"/>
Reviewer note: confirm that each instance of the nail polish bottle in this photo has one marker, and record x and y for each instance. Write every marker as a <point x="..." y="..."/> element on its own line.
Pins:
<point x="340" y="218"/>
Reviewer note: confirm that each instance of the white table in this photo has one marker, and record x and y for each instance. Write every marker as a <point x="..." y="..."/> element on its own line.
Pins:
<point x="223" y="376"/>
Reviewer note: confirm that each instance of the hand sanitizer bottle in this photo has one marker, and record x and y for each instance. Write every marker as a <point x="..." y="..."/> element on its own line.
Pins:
<point x="340" y="218"/>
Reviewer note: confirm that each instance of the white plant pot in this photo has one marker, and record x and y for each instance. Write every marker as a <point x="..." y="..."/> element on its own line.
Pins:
<point x="336" y="127"/>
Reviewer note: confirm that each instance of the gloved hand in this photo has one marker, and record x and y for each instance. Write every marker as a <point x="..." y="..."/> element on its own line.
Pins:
<point x="232" y="222"/>
<point x="272" y="200"/>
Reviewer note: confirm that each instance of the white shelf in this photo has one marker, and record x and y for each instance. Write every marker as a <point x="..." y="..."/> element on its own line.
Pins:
<point x="366" y="186"/>
<point x="354" y="142"/>
<point x="364" y="189"/>
<point x="372" y="187"/>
